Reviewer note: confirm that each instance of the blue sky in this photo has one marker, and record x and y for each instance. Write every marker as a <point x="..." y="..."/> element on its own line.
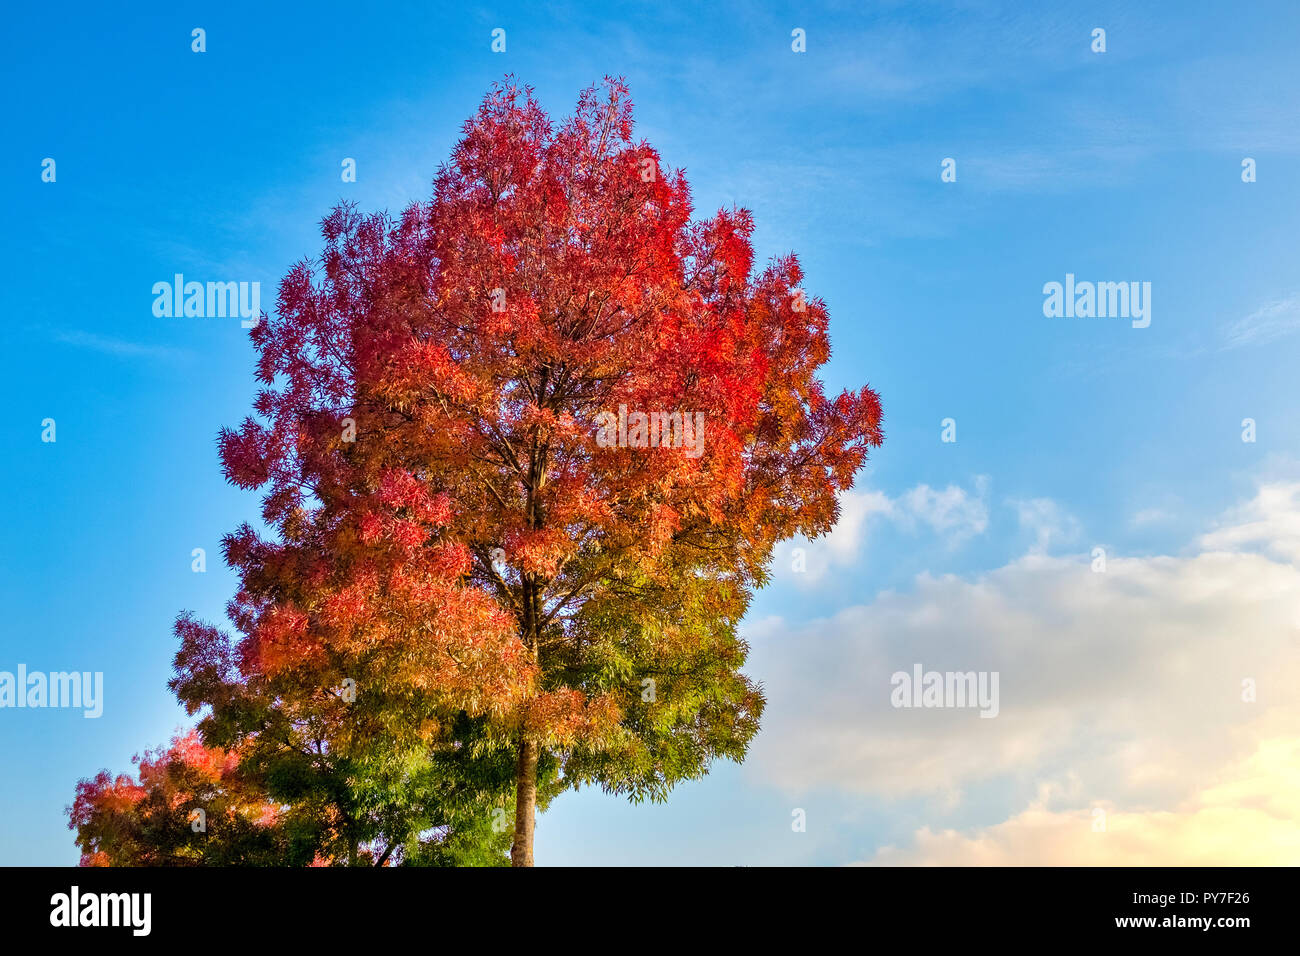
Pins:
<point x="1072" y="434"/>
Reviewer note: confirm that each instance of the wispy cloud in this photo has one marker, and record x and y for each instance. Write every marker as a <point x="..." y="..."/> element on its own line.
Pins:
<point x="1150" y="516"/>
<point x="1271" y="321"/>
<point x="1046" y="521"/>
<point x="122" y="348"/>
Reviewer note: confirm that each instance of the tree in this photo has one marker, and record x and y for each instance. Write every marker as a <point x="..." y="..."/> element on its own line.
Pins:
<point x="197" y="806"/>
<point x="526" y="450"/>
<point x="291" y="792"/>
<point x="163" y="818"/>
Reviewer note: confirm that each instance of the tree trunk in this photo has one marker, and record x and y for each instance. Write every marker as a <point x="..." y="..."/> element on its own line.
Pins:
<point x="521" y="854"/>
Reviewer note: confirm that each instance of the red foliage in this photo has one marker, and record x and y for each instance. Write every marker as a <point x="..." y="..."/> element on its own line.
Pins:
<point x="143" y="821"/>
<point x="471" y="346"/>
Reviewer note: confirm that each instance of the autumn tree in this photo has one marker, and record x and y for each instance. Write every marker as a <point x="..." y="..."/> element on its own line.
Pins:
<point x="527" y="450"/>
<point x="290" y="793"/>
<point x="163" y="817"/>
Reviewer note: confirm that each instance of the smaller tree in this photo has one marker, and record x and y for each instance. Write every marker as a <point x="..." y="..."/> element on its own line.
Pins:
<point x="189" y="806"/>
<point x="289" y="770"/>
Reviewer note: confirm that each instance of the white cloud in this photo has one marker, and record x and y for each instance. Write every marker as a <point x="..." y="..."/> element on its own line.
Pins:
<point x="1271" y="521"/>
<point x="953" y="513"/>
<point x="846" y="538"/>
<point x="1250" y="818"/>
<point x="1119" y="689"/>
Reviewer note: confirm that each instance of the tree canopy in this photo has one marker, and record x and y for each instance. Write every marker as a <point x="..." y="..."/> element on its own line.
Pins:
<point x="525" y="452"/>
